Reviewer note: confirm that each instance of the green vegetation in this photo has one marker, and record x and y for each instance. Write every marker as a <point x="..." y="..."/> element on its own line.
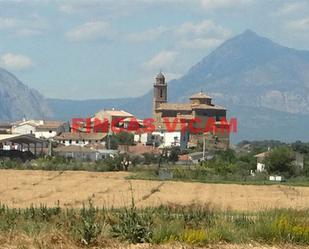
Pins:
<point x="195" y="225"/>
<point x="230" y="166"/>
<point x="66" y="164"/>
<point x="121" y="138"/>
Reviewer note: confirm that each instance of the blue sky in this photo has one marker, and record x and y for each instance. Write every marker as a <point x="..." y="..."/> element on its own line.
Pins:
<point x="86" y="49"/>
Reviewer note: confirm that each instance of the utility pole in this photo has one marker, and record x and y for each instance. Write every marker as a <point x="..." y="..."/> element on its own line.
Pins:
<point x="204" y="147"/>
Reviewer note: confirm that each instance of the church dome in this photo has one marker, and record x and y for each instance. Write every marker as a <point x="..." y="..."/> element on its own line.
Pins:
<point x="200" y="95"/>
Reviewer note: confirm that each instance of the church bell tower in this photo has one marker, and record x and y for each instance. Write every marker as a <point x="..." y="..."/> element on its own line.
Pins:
<point x="160" y="92"/>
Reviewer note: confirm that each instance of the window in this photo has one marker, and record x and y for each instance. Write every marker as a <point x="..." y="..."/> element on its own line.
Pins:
<point x="70" y="141"/>
<point x="161" y="93"/>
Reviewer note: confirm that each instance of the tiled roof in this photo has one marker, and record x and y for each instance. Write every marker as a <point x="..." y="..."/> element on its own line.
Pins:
<point x="50" y="125"/>
<point x="117" y="113"/>
<point x="74" y="148"/>
<point x="175" y="107"/>
<point x="204" y="106"/>
<point x="80" y="136"/>
<point x="262" y="155"/>
<point x="187" y="107"/>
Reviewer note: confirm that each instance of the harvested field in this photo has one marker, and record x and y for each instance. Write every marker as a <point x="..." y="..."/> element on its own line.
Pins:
<point x="72" y="189"/>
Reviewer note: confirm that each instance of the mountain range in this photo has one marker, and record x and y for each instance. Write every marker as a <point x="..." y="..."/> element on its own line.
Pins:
<point x="17" y="101"/>
<point x="261" y="83"/>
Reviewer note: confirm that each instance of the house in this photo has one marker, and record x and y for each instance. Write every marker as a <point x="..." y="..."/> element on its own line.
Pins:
<point x="83" y="153"/>
<point x="50" y="129"/>
<point x="26" y="126"/>
<point x="139" y="149"/>
<point x="40" y="128"/>
<point x="77" y="152"/>
<point x="261" y="166"/>
<point x="105" y="121"/>
<point x="260" y="161"/>
<point x="148" y="139"/>
<point x="172" y="139"/>
<point x="81" y="138"/>
<point x="5" y="128"/>
<point x="164" y="139"/>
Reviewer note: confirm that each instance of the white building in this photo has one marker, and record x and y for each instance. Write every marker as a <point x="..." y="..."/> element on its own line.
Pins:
<point x="164" y="139"/>
<point x="40" y="128"/>
<point x="260" y="161"/>
<point x="84" y="153"/>
<point x="81" y="138"/>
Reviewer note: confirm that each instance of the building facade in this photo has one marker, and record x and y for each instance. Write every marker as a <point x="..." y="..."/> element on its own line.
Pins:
<point x="197" y="114"/>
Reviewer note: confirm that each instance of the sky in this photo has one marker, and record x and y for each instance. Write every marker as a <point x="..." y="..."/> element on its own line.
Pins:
<point x="95" y="49"/>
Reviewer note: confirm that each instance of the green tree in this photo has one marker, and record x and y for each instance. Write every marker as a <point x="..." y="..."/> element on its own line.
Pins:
<point x="122" y="138"/>
<point x="174" y="154"/>
<point x="280" y="160"/>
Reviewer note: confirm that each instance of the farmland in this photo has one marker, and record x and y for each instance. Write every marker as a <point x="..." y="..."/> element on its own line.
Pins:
<point x="23" y="188"/>
<point x="55" y="209"/>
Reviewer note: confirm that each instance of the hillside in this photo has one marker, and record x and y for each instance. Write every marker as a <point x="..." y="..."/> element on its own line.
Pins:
<point x="18" y="101"/>
<point x="263" y="84"/>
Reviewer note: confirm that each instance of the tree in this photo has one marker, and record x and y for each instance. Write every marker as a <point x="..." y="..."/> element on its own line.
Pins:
<point x="280" y="160"/>
<point x="125" y="138"/>
<point x="122" y="138"/>
<point x="174" y="154"/>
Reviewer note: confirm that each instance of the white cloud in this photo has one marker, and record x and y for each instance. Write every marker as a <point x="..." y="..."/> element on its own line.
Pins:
<point x="16" y="61"/>
<point x="224" y="4"/>
<point x="290" y="8"/>
<point x="162" y="61"/>
<point x="147" y="36"/>
<point x="200" y="43"/>
<point x="115" y="7"/>
<point x="202" y="35"/>
<point x="299" y="25"/>
<point x="203" y="28"/>
<point x="23" y="27"/>
<point x="90" y="31"/>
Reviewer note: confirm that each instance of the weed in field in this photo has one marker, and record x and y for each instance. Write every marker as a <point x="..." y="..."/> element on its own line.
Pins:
<point x="90" y="228"/>
<point x="132" y="226"/>
<point x="194" y="237"/>
<point x="167" y="232"/>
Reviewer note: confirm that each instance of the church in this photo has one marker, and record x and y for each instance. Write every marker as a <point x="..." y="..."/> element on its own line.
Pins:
<point x="200" y="107"/>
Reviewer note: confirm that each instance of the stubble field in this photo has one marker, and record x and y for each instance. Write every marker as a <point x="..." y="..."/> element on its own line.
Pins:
<point x="71" y="189"/>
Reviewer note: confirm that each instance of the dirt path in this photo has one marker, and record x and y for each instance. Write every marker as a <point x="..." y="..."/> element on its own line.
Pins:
<point x="72" y="189"/>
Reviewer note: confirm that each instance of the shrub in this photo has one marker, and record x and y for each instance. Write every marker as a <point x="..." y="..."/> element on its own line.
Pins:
<point x="90" y="228"/>
<point x="167" y="232"/>
<point x="132" y="226"/>
<point x="193" y="236"/>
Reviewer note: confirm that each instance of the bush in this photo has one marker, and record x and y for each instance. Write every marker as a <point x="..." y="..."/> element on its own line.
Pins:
<point x="132" y="226"/>
<point x="90" y="228"/>
<point x="279" y="161"/>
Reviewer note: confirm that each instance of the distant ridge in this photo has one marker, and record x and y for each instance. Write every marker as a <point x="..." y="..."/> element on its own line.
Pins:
<point x="17" y="101"/>
<point x="263" y="84"/>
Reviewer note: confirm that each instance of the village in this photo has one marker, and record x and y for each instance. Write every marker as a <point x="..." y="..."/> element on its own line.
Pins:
<point x="175" y="131"/>
<point x="48" y="137"/>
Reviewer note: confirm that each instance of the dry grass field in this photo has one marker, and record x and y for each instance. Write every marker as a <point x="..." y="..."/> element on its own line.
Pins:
<point x="72" y="189"/>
